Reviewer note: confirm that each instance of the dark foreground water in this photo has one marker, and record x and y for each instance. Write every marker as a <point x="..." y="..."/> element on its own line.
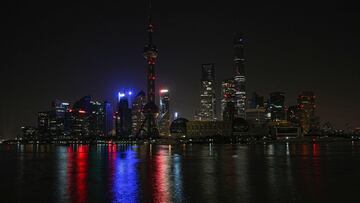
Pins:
<point x="319" y="172"/>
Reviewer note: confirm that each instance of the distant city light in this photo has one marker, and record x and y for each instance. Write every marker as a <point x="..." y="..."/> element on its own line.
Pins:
<point x="130" y="93"/>
<point x="164" y="90"/>
<point x="82" y="111"/>
<point x="120" y="95"/>
<point x="176" y="114"/>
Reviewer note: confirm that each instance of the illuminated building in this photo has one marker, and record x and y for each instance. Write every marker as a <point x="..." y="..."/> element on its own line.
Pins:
<point x="256" y="101"/>
<point x="178" y="128"/>
<point x="228" y="96"/>
<point x="43" y="122"/>
<point x="292" y="115"/>
<point x="96" y="117"/>
<point x="57" y="118"/>
<point x="123" y="118"/>
<point x="60" y="108"/>
<point x="164" y="115"/>
<point x="28" y="132"/>
<point x="80" y="118"/>
<point x="137" y="116"/>
<point x="207" y="110"/>
<point x="108" y="119"/>
<point x="229" y="111"/>
<point x="239" y="78"/>
<point x="150" y="110"/>
<point x="198" y="129"/>
<point x="256" y="116"/>
<point x="277" y="106"/>
<point x="307" y="119"/>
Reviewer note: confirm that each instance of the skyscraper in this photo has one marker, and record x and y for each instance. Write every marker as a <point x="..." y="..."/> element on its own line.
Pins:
<point x="239" y="78"/>
<point x="108" y="119"/>
<point x="277" y="106"/>
<point x="207" y="110"/>
<point x="164" y="115"/>
<point x="256" y="101"/>
<point x="57" y="117"/>
<point x="43" y="122"/>
<point x="292" y="115"/>
<point x="80" y="117"/>
<point x="137" y="116"/>
<point x="96" y="117"/>
<point x="150" y="110"/>
<point x="307" y="119"/>
<point x="228" y="96"/>
<point x="123" y="118"/>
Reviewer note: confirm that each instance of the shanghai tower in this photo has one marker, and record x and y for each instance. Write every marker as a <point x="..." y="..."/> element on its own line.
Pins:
<point x="239" y="78"/>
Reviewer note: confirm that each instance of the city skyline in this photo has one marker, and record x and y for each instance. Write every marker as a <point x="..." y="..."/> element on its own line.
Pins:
<point x="111" y="73"/>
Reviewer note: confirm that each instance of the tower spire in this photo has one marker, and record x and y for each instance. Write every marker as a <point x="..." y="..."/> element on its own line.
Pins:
<point x="150" y="110"/>
<point x="150" y="25"/>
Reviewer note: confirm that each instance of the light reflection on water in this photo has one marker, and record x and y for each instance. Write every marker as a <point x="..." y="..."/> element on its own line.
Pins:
<point x="185" y="173"/>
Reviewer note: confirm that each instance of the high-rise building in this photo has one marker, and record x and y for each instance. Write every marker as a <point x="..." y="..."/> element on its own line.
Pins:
<point x="239" y="78"/>
<point x="207" y="110"/>
<point x="292" y="114"/>
<point x="43" y="124"/>
<point x="164" y="115"/>
<point x="123" y="118"/>
<point x="150" y="110"/>
<point x="277" y="106"/>
<point x="96" y="118"/>
<point x="57" y="117"/>
<point x="137" y="116"/>
<point x="229" y="111"/>
<point x="256" y="101"/>
<point x="108" y="119"/>
<point x="60" y="108"/>
<point x="228" y="92"/>
<point x="307" y="119"/>
<point x="80" y="117"/>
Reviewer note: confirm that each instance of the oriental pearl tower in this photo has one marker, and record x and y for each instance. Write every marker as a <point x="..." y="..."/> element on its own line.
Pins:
<point x="150" y="110"/>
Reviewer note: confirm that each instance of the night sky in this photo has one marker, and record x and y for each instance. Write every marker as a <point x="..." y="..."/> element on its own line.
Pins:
<point x="66" y="50"/>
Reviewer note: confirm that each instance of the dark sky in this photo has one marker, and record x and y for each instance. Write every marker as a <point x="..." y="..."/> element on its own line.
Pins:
<point x="66" y="50"/>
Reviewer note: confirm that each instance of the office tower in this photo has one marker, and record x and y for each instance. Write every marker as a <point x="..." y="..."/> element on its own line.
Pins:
<point x="256" y="101"/>
<point x="292" y="115"/>
<point x="57" y="117"/>
<point x="207" y="110"/>
<point x="164" y="115"/>
<point x="277" y="106"/>
<point x="43" y="122"/>
<point x="108" y="119"/>
<point x="123" y="118"/>
<point x="267" y="107"/>
<point x="60" y="108"/>
<point x="229" y="111"/>
<point x="137" y="115"/>
<point x="307" y="119"/>
<point x="228" y="96"/>
<point x="239" y="78"/>
<point x="80" y="117"/>
<point x="96" y="117"/>
<point x="150" y="110"/>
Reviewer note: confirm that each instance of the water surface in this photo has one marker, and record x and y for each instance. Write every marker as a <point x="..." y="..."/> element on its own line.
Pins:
<point x="315" y="172"/>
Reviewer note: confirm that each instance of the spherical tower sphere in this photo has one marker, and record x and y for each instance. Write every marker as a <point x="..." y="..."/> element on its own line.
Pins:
<point x="178" y="127"/>
<point x="150" y="52"/>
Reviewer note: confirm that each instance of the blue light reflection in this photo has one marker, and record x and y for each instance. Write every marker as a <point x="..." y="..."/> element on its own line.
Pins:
<point x="125" y="186"/>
